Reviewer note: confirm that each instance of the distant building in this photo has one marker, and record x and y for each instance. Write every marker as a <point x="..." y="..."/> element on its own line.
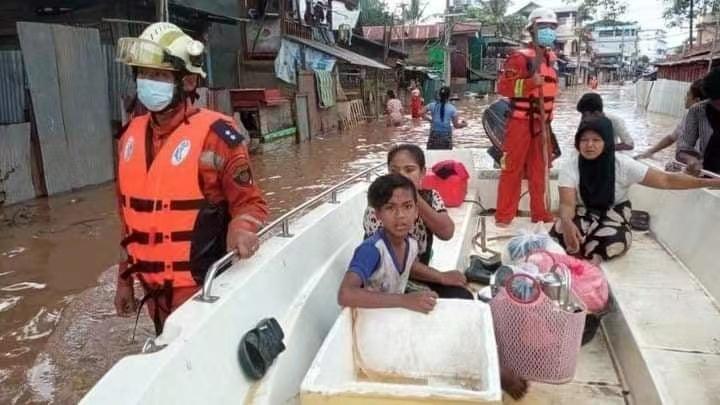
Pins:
<point x="706" y="29"/>
<point x="653" y="44"/>
<point x="616" y="48"/>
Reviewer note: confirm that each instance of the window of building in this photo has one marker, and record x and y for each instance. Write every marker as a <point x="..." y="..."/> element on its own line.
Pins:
<point x="606" y="34"/>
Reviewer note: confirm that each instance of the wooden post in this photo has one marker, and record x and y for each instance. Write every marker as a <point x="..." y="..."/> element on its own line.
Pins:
<point x="543" y="124"/>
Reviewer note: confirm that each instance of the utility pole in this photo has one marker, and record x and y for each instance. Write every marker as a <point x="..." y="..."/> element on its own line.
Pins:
<point x="402" y="27"/>
<point x="448" y="33"/>
<point x="692" y="16"/>
<point x="715" y="40"/>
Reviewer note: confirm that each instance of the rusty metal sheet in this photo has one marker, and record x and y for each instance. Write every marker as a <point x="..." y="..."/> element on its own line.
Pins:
<point x="85" y="103"/>
<point x="15" y="174"/>
<point x="12" y="87"/>
<point x="67" y="75"/>
<point x="340" y="53"/>
<point x="36" y="41"/>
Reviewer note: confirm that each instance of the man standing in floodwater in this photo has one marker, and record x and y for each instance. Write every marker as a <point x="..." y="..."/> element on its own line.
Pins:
<point x="528" y="73"/>
<point x="185" y="185"/>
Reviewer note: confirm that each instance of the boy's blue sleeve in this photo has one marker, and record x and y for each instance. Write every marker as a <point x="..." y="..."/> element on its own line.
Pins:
<point x="365" y="261"/>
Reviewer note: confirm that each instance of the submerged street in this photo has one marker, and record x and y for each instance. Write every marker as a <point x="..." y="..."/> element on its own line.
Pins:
<point x="60" y="332"/>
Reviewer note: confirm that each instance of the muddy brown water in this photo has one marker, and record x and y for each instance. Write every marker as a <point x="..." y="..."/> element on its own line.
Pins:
<point x="58" y="329"/>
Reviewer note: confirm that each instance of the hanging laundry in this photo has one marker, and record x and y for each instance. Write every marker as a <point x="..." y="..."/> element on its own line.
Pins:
<point x="325" y="88"/>
<point x="287" y="61"/>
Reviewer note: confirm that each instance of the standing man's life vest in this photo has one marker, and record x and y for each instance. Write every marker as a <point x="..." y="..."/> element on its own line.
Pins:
<point x="161" y="204"/>
<point x="523" y="103"/>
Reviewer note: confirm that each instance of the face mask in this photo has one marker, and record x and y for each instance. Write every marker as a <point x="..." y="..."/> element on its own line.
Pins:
<point x="155" y="95"/>
<point x="546" y="37"/>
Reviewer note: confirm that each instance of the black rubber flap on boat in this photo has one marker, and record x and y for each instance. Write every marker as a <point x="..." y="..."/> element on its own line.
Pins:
<point x="480" y="270"/>
<point x="592" y="324"/>
<point x="640" y="220"/>
<point x="260" y="347"/>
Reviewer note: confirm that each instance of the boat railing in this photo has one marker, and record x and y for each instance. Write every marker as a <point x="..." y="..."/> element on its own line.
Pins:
<point x="705" y="173"/>
<point x="283" y="224"/>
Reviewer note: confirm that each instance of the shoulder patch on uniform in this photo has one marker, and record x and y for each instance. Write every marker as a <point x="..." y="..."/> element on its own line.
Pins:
<point x="227" y="133"/>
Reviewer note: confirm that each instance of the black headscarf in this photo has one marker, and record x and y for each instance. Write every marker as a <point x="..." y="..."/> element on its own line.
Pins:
<point x="597" y="176"/>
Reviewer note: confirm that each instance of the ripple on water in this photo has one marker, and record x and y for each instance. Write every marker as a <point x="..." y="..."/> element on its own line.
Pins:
<point x="40" y="326"/>
<point x="25" y="285"/>
<point x="13" y="252"/>
<point x="7" y="303"/>
<point x="41" y="379"/>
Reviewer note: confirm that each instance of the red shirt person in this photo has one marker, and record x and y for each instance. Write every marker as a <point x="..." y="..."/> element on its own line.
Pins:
<point x="525" y="74"/>
<point x="185" y="183"/>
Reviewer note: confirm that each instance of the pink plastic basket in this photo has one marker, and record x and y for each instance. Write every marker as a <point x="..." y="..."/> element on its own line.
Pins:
<point x="537" y="341"/>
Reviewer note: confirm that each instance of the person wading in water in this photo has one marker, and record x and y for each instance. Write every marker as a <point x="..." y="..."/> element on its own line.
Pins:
<point x="443" y="116"/>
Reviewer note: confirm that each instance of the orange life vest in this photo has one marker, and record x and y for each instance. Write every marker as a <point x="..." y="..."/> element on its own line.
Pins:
<point x="522" y="106"/>
<point x="160" y="205"/>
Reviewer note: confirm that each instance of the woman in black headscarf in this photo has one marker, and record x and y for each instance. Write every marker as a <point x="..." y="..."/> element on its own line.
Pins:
<point x="594" y="186"/>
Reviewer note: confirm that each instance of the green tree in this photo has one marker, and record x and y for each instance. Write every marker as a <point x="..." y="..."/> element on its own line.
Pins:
<point x="494" y="13"/>
<point x="677" y="12"/>
<point x="414" y="13"/>
<point x="603" y="9"/>
<point x="373" y="12"/>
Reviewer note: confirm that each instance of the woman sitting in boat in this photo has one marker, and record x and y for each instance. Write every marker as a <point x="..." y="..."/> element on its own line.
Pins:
<point x="433" y="219"/>
<point x="594" y="184"/>
<point x="443" y="116"/>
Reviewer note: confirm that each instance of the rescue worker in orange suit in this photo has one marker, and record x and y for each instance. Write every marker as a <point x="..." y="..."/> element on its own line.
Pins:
<point x="521" y="79"/>
<point x="185" y="185"/>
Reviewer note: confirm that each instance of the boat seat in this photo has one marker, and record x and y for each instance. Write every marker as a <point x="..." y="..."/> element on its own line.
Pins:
<point x="664" y="327"/>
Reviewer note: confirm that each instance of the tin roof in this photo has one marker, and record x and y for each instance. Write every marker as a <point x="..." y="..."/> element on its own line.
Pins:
<point x="419" y="32"/>
<point x="340" y="53"/>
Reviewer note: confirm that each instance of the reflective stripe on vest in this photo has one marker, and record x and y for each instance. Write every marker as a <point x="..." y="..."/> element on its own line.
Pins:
<point x="160" y="205"/>
<point x="521" y="104"/>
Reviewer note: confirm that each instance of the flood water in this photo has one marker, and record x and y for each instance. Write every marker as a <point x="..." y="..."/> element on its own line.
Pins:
<point x="58" y="329"/>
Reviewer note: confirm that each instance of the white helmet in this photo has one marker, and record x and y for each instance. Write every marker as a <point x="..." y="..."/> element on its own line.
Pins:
<point x="541" y="15"/>
<point x="162" y="46"/>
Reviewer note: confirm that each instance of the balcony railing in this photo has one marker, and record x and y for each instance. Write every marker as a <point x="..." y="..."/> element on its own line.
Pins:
<point x="295" y="28"/>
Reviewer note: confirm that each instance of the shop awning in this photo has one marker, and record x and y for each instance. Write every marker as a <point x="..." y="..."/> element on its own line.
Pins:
<point x="340" y="53"/>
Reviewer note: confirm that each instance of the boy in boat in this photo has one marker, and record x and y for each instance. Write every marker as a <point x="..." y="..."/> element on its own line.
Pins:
<point x="382" y="264"/>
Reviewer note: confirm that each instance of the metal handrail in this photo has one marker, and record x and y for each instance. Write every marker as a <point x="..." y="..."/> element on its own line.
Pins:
<point x="284" y="223"/>
<point x="704" y="172"/>
<point x="684" y="166"/>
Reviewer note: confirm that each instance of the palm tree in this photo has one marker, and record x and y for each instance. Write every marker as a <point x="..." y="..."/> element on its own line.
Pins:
<point x="493" y="13"/>
<point x="415" y="11"/>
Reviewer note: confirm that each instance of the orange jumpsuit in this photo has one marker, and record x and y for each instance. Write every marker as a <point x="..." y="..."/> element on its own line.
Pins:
<point x="224" y="175"/>
<point x="523" y="144"/>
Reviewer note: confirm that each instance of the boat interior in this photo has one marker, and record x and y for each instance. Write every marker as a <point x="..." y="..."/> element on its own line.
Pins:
<point x="659" y="343"/>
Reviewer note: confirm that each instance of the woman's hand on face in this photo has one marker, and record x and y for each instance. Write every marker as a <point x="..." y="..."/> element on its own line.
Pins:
<point x="571" y="236"/>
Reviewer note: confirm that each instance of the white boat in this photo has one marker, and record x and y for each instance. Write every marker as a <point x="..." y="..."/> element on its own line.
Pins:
<point x="662" y="348"/>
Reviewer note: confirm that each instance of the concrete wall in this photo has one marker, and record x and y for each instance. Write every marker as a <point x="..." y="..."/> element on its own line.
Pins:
<point x="275" y="118"/>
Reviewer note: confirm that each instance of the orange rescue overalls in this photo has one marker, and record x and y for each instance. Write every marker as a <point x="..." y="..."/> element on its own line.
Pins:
<point x="523" y="143"/>
<point x="178" y="194"/>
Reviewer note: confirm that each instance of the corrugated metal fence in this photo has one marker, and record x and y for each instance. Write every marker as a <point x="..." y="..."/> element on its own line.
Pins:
<point x="120" y="81"/>
<point x="13" y="84"/>
<point x="12" y="87"/>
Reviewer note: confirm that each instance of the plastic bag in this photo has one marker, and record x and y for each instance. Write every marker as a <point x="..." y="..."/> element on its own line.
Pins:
<point x="527" y="242"/>
<point x="588" y="281"/>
